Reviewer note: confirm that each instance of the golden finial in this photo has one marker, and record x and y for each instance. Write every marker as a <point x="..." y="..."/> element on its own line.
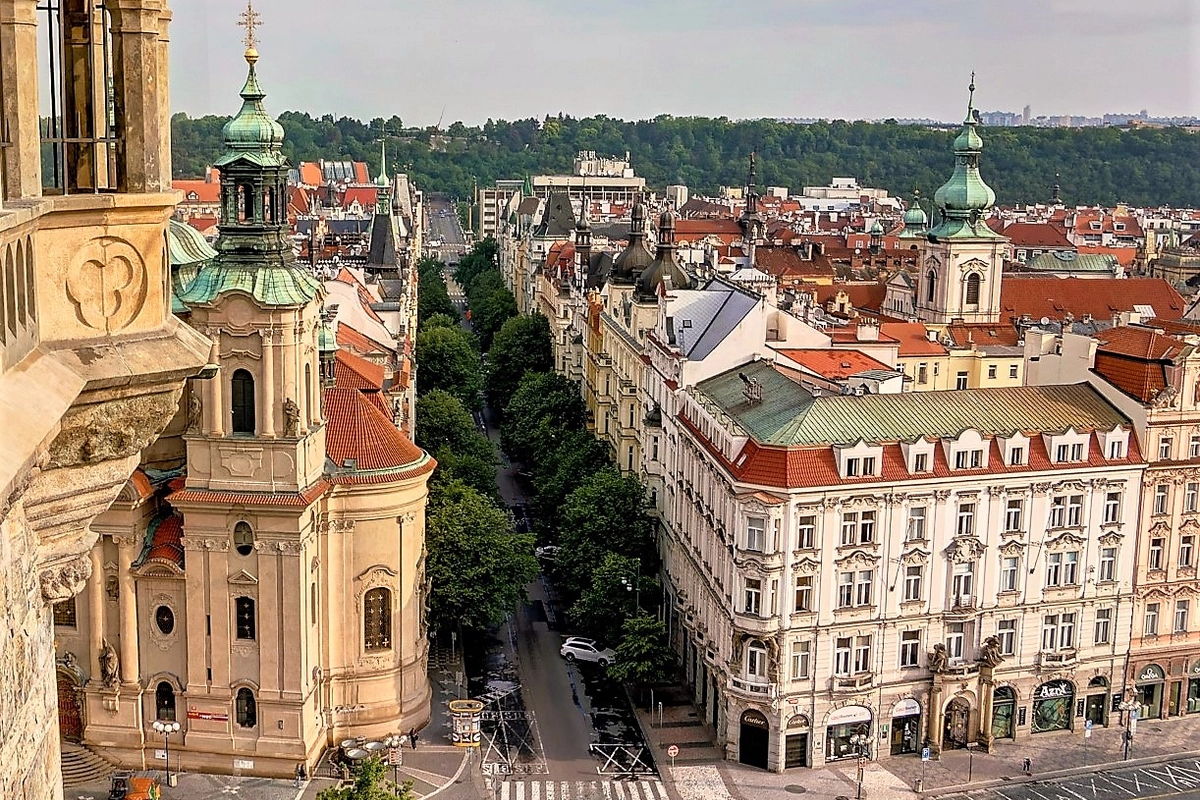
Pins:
<point x="250" y="20"/>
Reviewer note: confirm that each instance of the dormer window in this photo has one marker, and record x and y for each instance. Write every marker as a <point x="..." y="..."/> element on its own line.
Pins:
<point x="1116" y="449"/>
<point x="968" y="459"/>
<point x="920" y="462"/>
<point x="1016" y="456"/>
<point x="860" y="460"/>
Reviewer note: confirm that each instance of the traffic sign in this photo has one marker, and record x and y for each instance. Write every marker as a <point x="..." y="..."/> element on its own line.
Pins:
<point x="1087" y="729"/>
<point x="925" y="754"/>
<point x="673" y="750"/>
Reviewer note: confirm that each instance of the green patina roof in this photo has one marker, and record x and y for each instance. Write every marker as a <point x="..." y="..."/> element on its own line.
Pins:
<point x="789" y="415"/>
<point x="278" y="285"/>
<point x="1070" y="261"/>
<point x="252" y="133"/>
<point x="964" y="197"/>
<point x="188" y="251"/>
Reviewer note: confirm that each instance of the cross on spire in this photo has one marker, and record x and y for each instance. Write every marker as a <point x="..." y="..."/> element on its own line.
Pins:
<point x="250" y="19"/>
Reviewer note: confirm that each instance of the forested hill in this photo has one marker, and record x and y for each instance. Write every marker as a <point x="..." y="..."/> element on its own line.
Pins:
<point x="1097" y="165"/>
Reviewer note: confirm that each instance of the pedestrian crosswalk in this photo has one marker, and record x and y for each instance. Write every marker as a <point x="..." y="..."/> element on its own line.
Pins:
<point x="583" y="790"/>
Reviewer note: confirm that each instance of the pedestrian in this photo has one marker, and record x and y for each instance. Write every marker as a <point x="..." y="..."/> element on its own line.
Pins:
<point x="412" y="737"/>
<point x="303" y="772"/>
<point x="1027" y="766"/>
<point x="299" y="772"/>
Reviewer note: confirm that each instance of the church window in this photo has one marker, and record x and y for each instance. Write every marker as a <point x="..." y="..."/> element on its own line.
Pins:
<point x="247" y="708"/>
<point x="243" y="538"/>
<point x="243" y="402"/>
<point x="164" y="618"/>
<point x="64" y="614"/>
<point x="244" y="617"/>
<point x="307" y="384"/>
<point x="312" y="604"/>
<point x="164" y="702"/>
<point x="972" y="294"/>
<point x="377" y="619"/>
<point x="930" y="283"/>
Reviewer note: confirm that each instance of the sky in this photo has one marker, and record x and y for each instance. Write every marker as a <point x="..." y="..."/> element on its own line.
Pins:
<point x="636" y="59"/>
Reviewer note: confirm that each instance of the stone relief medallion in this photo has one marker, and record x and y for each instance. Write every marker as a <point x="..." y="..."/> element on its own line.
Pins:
<point x="65" y="580"/>
<point x="107" y="282"/>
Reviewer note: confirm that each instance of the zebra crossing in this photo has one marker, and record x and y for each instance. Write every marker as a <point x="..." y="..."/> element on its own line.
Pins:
<point x="583" y="790"/>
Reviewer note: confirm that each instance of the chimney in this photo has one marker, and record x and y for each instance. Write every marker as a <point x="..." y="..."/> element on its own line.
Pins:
<point x="868" y="331"/>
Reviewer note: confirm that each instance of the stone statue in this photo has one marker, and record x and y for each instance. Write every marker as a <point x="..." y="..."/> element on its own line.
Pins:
<point x="110" y="668"/>
<point x="194" y="408"/>
<point x="991" y="655"/>
<point x="939" y="659"/>
<point x="291" y="419"/>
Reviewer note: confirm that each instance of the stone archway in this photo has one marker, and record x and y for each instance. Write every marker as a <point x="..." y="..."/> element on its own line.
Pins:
<point x="956" y="724"/>
<point x="70" y="710"/>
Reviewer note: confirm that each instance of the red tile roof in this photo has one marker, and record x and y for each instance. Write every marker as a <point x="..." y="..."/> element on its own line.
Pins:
<point x="359" y="431"/>
<point x="983" y="335"/>
<point x="861" y="295"/>
<point x="1125" y="256"/>
<point x="310" y="173"/>
<point x="692" y="230"/>
<point x="784" y="262"/>
<point x="365" y="195"/>
<point x="204" y="191"/>
<point x="834" y="364"/>
<point x="359" y="342"/>
<point x="1139" y="342"/>
<point x="1141" y="380"/>
<point x="355" y="372"/>
<point x="215" y="497"/>
<point x="1036" y="234"/>
<point x="361" y="173"/>
<point x="913" y="338"/>
<point x="166" y="543"/>
<point x="1100" y="297"/>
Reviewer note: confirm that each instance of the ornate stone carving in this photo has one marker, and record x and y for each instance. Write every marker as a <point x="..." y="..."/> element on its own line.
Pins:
<point x="291" y="418"/>
<point x="113" y="429"/>
<point x="858" y="558"/>
<point x="916" y="555"/>
<point x="65" y="580"/>
<point x="195" y="409"/>
<point x="997" y="491"/>
<point x="1165" y="398"/>
<point x="241" y="462"/>
<point x="107" y="282"/>
<point x="938" y="659"/>
<point x="965" y="548"/>
<point x="1111" y="539"/>
<point x="110" y="665"/>
<point x="1013" y="547"/>
<point x="991" y="654"/>
<point x="1040" y="488"/>
<point x="940" y="495"/>
<point x="1064" y="540"/>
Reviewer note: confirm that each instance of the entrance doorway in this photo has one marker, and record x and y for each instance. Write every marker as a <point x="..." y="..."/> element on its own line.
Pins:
<point x="1150" y="692"/>
<point x="955" y="725"/>
<point x="906" y="727"/>
<point x="70" y="718"/>
<point x="1096" y="709"/>
<point x="754" y="739"/>
<point x="1004" y="707"/>
<point x="1053" y="705"/>
<point x="795" y="750"/>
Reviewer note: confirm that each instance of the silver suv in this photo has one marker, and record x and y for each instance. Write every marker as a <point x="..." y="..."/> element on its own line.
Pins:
<point x="577" y="648"/>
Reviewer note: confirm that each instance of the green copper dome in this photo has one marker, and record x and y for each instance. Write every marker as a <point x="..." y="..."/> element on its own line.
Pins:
<point x="252" y="130"/>
<point x="964" y="198"/>
<point x="915" y="219"/>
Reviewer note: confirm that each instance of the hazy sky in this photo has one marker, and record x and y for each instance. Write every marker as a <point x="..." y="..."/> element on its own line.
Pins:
<point x="633" y="59"/>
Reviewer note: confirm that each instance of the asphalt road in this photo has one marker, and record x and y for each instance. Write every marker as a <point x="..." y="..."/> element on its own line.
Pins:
<point x="1174" y="779"/>
<point x="441" y="222"/>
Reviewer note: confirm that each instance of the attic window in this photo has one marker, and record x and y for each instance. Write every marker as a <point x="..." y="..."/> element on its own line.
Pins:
<point x="1095" y="226"/>
<point x="687" y="323"/>
<point x="350" y="463"/>
<point x="1119" y="226"/>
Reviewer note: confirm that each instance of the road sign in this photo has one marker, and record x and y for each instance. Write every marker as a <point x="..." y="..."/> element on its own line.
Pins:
<point x="925" y="754"/>
<point x="395" y="757"/>
<point x="673" y="750"/>
<point x="1087" y="729"/>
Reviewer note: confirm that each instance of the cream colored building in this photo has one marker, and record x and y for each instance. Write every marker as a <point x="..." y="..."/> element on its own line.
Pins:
<point x="261" y="579"/>
<point x="92" y="363"/>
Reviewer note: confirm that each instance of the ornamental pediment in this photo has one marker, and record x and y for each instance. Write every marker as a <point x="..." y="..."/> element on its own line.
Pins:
<point x="1162" y="526"/>
<point x="807" y="566"/>
<point x="1189" y="524"/>
<point x="1111" y="539"/>
<point x="858" y="558"/>
<point x="1069" y="486"/>
<point x="1013" y="547"/>
<point x="243" y="578"/>
<point x="1066" y="539"/>
<point x="914" y="556"/>
<point x="965" y="548"/>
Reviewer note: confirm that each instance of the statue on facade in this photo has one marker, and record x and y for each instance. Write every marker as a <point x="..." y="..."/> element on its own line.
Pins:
<point x="939" y="659"/>
<point x="991" y="655"/>
<point x="291" y="418"/>
<point x="194" y="409"/>
<point x="110" y="668"/>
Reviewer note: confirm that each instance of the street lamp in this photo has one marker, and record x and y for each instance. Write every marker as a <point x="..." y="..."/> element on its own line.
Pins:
<point x="166" y="728"/>
<point x="859" y="742"/>
<point x="635" y="587"/>
<point x="393" y="744"/>
<point x="1129" y="707"/>
<point x="971" y="760"/>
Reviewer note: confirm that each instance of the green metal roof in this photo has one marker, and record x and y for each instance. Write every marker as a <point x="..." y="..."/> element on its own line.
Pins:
<point x="252" y="128"/>
<point x="965" y="195"/>
<point x="277" y="285"/>
<point x="187" y="246"/>
<point x="1070" y="261"/>
<point x="789" y="415"/>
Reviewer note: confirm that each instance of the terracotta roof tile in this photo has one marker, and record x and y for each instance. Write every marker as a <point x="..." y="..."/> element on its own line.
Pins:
<point x="286" y="499"/>
<point x="1139" y="379"/>
<point x="834" y="364"/>
<point x="355" y="372"/>
<point x="203" y="191"/>
<point x="1139" y="342"/>
<point x="166" y="542"/>
<point x="359" y="342"/>
<point x="1035" y="234"/>
<point x="785" y="262"/>
<point x="1100" y="297"/>
<point x="913" y="338"/>
<point x="359" y="432"/>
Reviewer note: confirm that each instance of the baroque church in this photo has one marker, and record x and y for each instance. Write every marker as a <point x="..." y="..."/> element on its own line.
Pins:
<point x="260" y="577"/>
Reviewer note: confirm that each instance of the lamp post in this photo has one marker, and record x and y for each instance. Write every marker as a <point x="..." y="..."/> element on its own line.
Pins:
<point x="971" y="760"/>
<point x="859" y="742"/>
<point x="393" y="744"/>
<point x="635" y="587"/>
<point x="1129" y="707"/>
<point x="166" y="728"/>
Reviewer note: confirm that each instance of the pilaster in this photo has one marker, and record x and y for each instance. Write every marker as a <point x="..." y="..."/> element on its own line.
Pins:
<point x="22" y="161"/>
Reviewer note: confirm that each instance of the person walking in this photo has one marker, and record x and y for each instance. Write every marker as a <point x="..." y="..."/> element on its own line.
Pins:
<point x="412" y="737"/>
<point x="1027" y="766"/>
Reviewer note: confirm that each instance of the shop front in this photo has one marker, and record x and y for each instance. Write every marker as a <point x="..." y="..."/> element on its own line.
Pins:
<point x="906" y="727"/>
<point x="754" y="740"/>
<point x="795" y="743"/>
<point x="1004" y="711"/>
<point x="1151" y="681"/>
<point x="843" y="724"/>
<point x="1096" y="708"/>
<point x="1193" y="688"/>
<point x="1053" y="703"/>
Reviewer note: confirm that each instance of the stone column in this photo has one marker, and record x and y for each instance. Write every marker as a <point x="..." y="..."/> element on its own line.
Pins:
<point x="289" y="371"/>
<point x="934" y="716"/>
<point x="986" y="685"/>
<point x="127" y="549"/>
<point x="267" y="426"/>
<point x="139" y="93"/>
<point x="96" y="610"/>
<point x="164" y="87"/>
<point x="216" y="392"/>
<point x="22" y="160"/>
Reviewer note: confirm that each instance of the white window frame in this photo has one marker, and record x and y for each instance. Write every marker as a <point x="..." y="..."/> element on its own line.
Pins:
<point x="914" y="578"/>
<point x="1006" y="632"/>
<point x="965" y="521"/>
<point x="1182" y="609"/>
<point x="752" y="597"/>
<point x="1014" y="514"/>
<point x="1010" y="570"/>
<point x="806" y="532"/>
<point x="756" y="534"/>
<point x="803" y="594"/>
<point x="1103" y="630"/>
<point x="1150" y="619"/>
<point x="1162" y="495"/>
<point x="910" y="649"/>
<point x="1112" y="507"/>
<point x="1108" y="564"/>
<point x="801" y="660"/>
<point x="915" y="532"/>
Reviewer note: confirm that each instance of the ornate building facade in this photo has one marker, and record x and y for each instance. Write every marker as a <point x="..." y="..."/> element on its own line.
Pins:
<point x="92" y="363"/>
<point x="260" y="580"/>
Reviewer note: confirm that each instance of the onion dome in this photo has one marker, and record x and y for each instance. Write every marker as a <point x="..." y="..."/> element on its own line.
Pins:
<point x="964" y="198"/>
<point x="916" y="221"/>
<point x="252" y="128"/>
<point x="635" y="257"/>
<point x="664" y="267"/>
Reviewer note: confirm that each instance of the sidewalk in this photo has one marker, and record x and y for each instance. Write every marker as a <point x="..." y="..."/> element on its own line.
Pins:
<point x="700" y="771"/>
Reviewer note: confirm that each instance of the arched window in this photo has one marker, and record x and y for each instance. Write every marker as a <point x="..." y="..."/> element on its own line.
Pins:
<point x="244" y="617"/>
<point x="756" y="661"/>
<point x="377" y="619"/>
<point x="247" y="708"/>
<point x="243" y="402"/>
<point x="164" y="702"/>
<point x="10" y="291"/>
<point x="22" y="285"/>
<point x="972" y="293"/>
<point x="930" y="282"/>
<point x="308" y="396"/>
<point x="243" y="538"/>
<point x="31" y="294"/>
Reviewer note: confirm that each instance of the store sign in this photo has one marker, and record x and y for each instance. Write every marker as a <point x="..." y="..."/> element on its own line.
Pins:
<point x="849" y="715"/>
<point x="906" y="708"/>
<point x="1151" y="673"/>
<point x="207" y="716"/>
<point x="1053" y="691"/>
<point x="755" y="719"/>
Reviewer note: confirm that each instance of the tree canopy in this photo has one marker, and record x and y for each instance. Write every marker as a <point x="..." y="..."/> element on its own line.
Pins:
<point x="432" y="298"/>
<point x="544" y="406"/>
<point x="521" y="345"/>
<point x="643" y="655"/>
<point x="447" y="359"/>
<point x="1097" y="165"/>
<point x="446" y="429"/>
<point x="370" y="784"/>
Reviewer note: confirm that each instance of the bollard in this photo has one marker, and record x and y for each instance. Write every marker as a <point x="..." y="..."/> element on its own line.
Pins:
<point x="920" y="785"/>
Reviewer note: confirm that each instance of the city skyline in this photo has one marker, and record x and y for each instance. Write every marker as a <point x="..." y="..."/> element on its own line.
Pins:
<point x="853" y="60"/>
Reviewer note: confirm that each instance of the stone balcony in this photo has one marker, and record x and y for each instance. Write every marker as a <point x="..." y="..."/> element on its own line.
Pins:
<point x="852" y="683"/>
<point x="753" y="689"/>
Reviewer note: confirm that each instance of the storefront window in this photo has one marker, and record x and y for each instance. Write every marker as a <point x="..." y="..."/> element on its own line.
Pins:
<point x="844" y="723"/>
<point x="1150" y="691"/>
<point x="906" y="727"/>
<point x="1004" y="706"/>
<point x="1193" y="696"/>
<point x="1052" y="706"/>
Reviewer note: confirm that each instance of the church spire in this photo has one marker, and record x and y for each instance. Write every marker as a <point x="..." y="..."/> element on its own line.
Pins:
<point x="382" y="178"/>
<point x="964" y="199"/>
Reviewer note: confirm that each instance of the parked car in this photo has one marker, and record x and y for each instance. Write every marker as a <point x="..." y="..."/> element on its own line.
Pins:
<point x="577" y="648"/>
<point x="548" y="553"/>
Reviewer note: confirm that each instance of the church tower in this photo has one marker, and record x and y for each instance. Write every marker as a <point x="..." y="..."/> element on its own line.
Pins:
<point x="962" y="258"/>
<point x="752" y="223"/>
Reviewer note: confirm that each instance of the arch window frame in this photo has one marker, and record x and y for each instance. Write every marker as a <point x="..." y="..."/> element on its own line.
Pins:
<point x="377" y="619"/>
<point x="245" y="618"/>
<point x="243" y="538"/>
<point x="165" y="705"/>
<point x="245" y="708"/>
<point x="242" y="403"/>
<point x="931" y="285"/>
<point x="972" y="289"/>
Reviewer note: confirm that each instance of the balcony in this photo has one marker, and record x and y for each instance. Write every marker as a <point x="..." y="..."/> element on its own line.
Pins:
<point x="752" y="623"/>
<point x="853" y="683"/>
<point x="962" y="669"/>
<point x="961" y="606"/>
<point x="1057" y="658"/>
<point x="755" y="689"/>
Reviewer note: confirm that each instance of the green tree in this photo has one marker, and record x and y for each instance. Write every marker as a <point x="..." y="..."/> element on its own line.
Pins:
<point x="643" y="656"/>
<point x="483" y="256"/>
<point x="370" y="784"/>
<point x="606" y="512"/>
<point x="543" y="408"/>
<point x="446" y="359"/>
<point x="478" y="567"/>
<point x="490" y="312"/>
<point x="446" y="429"/>
<point x="478" y="472"/>
<point x="607" y="600"/>
<point x="577" y="455"/>
<point x="432" y="298"/>
<point x="521" y="345"/>
<point x="439" y="320"/>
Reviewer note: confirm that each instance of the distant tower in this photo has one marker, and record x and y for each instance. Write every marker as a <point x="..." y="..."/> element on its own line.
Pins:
<point x="961" y="262"/>
<point x="916" y="222"/>
<point x="1026" y="115"/>
<point x="583" y="243"/>
<point x="1055" y="198"/>
<point x="383" y="184"/>
<point x="751" y="221"/>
